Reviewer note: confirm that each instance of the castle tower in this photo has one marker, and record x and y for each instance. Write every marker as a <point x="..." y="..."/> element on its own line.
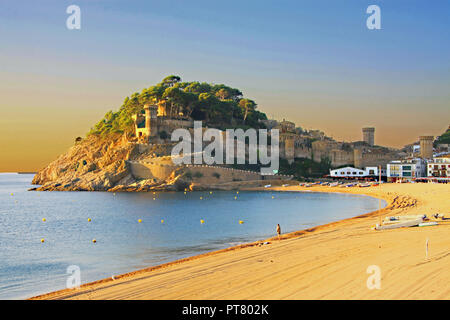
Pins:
<point x="369" y="135"/>
<point x="357" y="158"/>
<point x="151" y="121"/>
<point x="426" y="146"/>
<point x="289" y="150"/>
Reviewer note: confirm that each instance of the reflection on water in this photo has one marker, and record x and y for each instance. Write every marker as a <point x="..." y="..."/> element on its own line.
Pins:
<point x="29" y="267"/>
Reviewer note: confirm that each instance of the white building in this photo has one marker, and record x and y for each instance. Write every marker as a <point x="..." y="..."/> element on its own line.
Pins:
<point x="350" y="172"/>
<point x="406" y="169"/>
<point x="439" y="167"/>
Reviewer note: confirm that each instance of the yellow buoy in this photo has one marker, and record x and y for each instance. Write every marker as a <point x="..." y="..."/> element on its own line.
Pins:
<point x="210" y="192"/>
<point x="185" y="192"/>
<point x="94" y="241"/>
<point x="201" y="198"/>
<point x="202" y="221"/>
<point x="12" y="194"/>
<point x="43" y="219"/>
<point x="139" y="220"/>
<point x="241" y="222"/>
<point x="235" y="198"/>
<point x="162" y="221"/>
<point x="154" y="198"/>
<point x="42" y="240"/>
<point x="237" y="192"/>
<point x="89" y="219"/>
<point x="273" y="197"/>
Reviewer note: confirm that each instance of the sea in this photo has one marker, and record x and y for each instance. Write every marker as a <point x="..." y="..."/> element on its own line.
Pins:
<point x="45" y="236"/>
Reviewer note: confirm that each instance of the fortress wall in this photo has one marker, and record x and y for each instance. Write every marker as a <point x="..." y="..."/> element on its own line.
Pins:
<point x="229" y="174"/>
<point x="169" y="125"/>
<point x="378" y="159"/>
<point x="226" y="174"/>
<point x="341" y="157"/>
<point x="300" y="152"/>
<point x="152" y="170"/>
<point x="162" y="168"/>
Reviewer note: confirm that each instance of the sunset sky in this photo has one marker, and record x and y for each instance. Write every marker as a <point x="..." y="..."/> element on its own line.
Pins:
<point x="312" y="62"/>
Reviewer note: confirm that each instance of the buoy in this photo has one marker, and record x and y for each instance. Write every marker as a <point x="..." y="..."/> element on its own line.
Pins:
<point x="139" y="220"/>
<point x="162" y="221"/>
<point x="89" y="219"/>
<point x="273" y="197"/>
<point x="237" y="192"/>
<point x="12" y="194"/>
<point x="43" y="219"/>
<point x="241" y="222"/>
<point x="201" y="198"/>
<point x="185" y="192"/>
<point x="94" y="241"/>
<point x="154" y="198"/>
<point x="202" y="221"/>
<point x="42" y="240"/>
<point x="210" y="192"/>
<point x="235" y="198"/>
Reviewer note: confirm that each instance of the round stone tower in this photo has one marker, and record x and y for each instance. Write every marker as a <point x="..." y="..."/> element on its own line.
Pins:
<point x="369" y="135"/>
<point x="426" y="146"/>
<point x="151" y="121"/>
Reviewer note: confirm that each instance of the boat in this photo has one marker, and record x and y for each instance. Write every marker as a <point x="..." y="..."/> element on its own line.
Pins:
<point x="427" y="224"/>
<point x="350" y="185"/>
<point x="333" y="184"/>
<point x="364" y="185"/>
<point x="267" y="186"/>
<point x="404" y="224"/>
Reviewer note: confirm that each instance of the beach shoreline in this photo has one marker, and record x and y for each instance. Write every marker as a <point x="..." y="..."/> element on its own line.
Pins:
<point x="400" y="198"/>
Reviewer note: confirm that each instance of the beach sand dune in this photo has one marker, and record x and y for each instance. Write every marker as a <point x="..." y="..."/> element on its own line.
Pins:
<point x="326" y="262"/>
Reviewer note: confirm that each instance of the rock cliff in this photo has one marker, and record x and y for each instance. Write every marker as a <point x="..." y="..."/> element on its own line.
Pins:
<point x="100" y="164"/>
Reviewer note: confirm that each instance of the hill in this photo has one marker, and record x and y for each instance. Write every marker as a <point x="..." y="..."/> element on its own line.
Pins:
<point x="217" y="105"/>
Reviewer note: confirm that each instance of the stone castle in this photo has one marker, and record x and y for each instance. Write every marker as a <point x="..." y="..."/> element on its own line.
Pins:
<point x="154" y="125"/>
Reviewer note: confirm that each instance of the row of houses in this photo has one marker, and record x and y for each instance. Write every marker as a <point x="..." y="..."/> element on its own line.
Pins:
<point x="410" y="169"/>
<point x="407" y="169"/>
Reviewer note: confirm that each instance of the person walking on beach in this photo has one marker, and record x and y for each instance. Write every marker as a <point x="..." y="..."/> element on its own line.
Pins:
<point x="278" y="231"/>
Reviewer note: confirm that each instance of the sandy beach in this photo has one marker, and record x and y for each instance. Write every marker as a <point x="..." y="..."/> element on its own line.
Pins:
<point x="325" y="262"/>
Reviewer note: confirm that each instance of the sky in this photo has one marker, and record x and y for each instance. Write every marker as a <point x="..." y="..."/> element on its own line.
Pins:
<point x="312" y="62"/>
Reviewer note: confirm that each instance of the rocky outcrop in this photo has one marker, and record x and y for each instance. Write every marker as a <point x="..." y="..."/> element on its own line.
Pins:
<point x="92" y="164"/>
<point x="109" y="164"/>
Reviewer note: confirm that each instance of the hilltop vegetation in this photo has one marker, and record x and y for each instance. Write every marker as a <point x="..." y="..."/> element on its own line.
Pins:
<point x="444" y="138"/>
<point x="217" y="105"/>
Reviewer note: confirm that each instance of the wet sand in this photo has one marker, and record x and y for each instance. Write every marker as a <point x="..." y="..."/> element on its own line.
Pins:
<point x="325" y="262"/>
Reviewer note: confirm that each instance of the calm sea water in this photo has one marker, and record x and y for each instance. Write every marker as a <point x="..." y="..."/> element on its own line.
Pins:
<point x="29" y="267"/>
